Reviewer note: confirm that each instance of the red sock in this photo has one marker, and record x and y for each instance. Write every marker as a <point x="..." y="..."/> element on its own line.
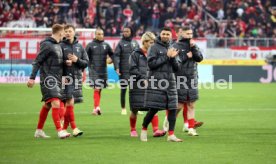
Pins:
<point x="154" y="123"/>
<point x="66" y="119"/>
<point x="62" y="111"/>
<point x="132" y="121"/>
<point x="143" y="128"/>
<point x="185" y="113"/>
<point x="167" y="112"/>
<point x="56" y="118"/>
<point x="171" y="132"/>
<point x="97" y="97"/>
<point x="71" y="116"/>
<point x="100" y="94"/>
<point x="191" y="123"/>
<point x="42" y="117"/>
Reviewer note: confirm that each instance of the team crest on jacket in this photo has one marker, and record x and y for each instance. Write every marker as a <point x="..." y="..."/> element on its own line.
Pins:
<point x="104" y="47"/>
<point x="133" y="44"/>
<point x="78" y="49"/>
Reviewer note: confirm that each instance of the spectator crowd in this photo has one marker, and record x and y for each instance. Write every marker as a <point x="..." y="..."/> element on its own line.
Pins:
<point x="208" y="18"/>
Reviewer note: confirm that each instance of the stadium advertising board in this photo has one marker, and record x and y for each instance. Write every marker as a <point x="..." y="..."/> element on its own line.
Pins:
<point x="252" y="53"/>
<point x="27" y="48"/>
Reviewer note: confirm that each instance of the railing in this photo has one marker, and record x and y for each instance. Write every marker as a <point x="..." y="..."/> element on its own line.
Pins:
<point x="229" y="42"/>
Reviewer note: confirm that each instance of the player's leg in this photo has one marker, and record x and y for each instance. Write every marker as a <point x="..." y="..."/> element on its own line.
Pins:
<point x="123" y="99"/>
<point x="39" y="133"/>
<point x="97" y="99"/>
<point x="166" y="122"/>
<point x="132" y="122"/>
<point x="71" y="117"/>
<point x="179" y="108"/>
<point x="185" y="117"/>
<point x="147" y="119"/>
<point x="172" y="120"/>
<point x="155" y="127"/>
<point x="62" y="112"/>
<point x="191" y="119"/>
<point x="55" y="104"/>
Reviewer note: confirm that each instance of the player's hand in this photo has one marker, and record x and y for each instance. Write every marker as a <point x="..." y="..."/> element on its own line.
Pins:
<point x="118" y="71"/>
<point x="172" y="52"/>
<point x="73" y="57"/>
<point x="30" y="83"/>
<point x="192" y="42"/>
<point x="68" y="62"/>
<point x="189" y="54"/>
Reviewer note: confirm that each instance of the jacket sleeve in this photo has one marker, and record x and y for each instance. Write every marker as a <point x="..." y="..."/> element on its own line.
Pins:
<point x="110" y="52"/>
<point x="155" y="60"/>
<point x="175" y="62"/>
<point x="197" y="55"/>
<point x="134" y="66"/>
<point x="64" y="59"/>
<point x="82" y="62"/>
<point x="45" y="49"/>
<point x="89" y="52"/>
<point x="116" y="57"/>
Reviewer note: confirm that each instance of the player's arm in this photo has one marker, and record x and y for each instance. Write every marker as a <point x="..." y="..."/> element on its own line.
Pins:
<point x="40" y="58"/>
<point x="196" y="54"/>
<point x="110" y="53"/>
<point x="134" y="66"/>
<point x="155" y="60"/>
<point x="82" y="61"/>
<point x="117" y="53"/>
<point x="174" y="57"/>
<point x="89" y="52"/>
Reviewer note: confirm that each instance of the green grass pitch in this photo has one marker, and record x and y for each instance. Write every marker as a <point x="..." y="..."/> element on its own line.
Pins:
<point x="240" y="127"/>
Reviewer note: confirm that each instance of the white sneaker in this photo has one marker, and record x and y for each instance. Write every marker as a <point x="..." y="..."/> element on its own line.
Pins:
<point x="192" y="132"/>
<point x="166" y="124"/>
<point x="63" y="134"/>
<point x="140" y="112"/>
<point x="124" y="112"/>
<point x="40" y="134"/>
<point x="144" y="136"/>
<point x="185" y="127"/>
<point x="173" y="138"/>
<point x="77" y="132"/>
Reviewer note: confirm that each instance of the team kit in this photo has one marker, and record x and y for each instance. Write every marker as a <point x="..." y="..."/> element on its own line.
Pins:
<point x="150" y="72"/>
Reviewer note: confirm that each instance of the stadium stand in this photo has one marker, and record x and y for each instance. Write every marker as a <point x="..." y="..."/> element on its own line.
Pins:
<point x="210" y="18"/>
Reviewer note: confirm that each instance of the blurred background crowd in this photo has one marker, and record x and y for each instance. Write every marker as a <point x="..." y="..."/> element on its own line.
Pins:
<point x="209" y="18"/>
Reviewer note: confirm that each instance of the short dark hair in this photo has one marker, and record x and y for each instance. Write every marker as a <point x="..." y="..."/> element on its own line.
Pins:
<point x="69" y="26"/>
<point x="185" y="28"/>
<point x="166" y="29"/>
<point x="129" y="27"/>
<point x="57" y="28"/>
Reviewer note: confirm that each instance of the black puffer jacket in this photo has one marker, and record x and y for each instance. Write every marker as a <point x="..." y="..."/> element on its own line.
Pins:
<point x="188" y="71"/>
<point x="121" y="56"/>
<point x="75" y="71"/>
<point x="138" y="71"/>
<point x="161" y="68"/>
<point x="49" y="61"/>
<point x="97" y="52"/>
